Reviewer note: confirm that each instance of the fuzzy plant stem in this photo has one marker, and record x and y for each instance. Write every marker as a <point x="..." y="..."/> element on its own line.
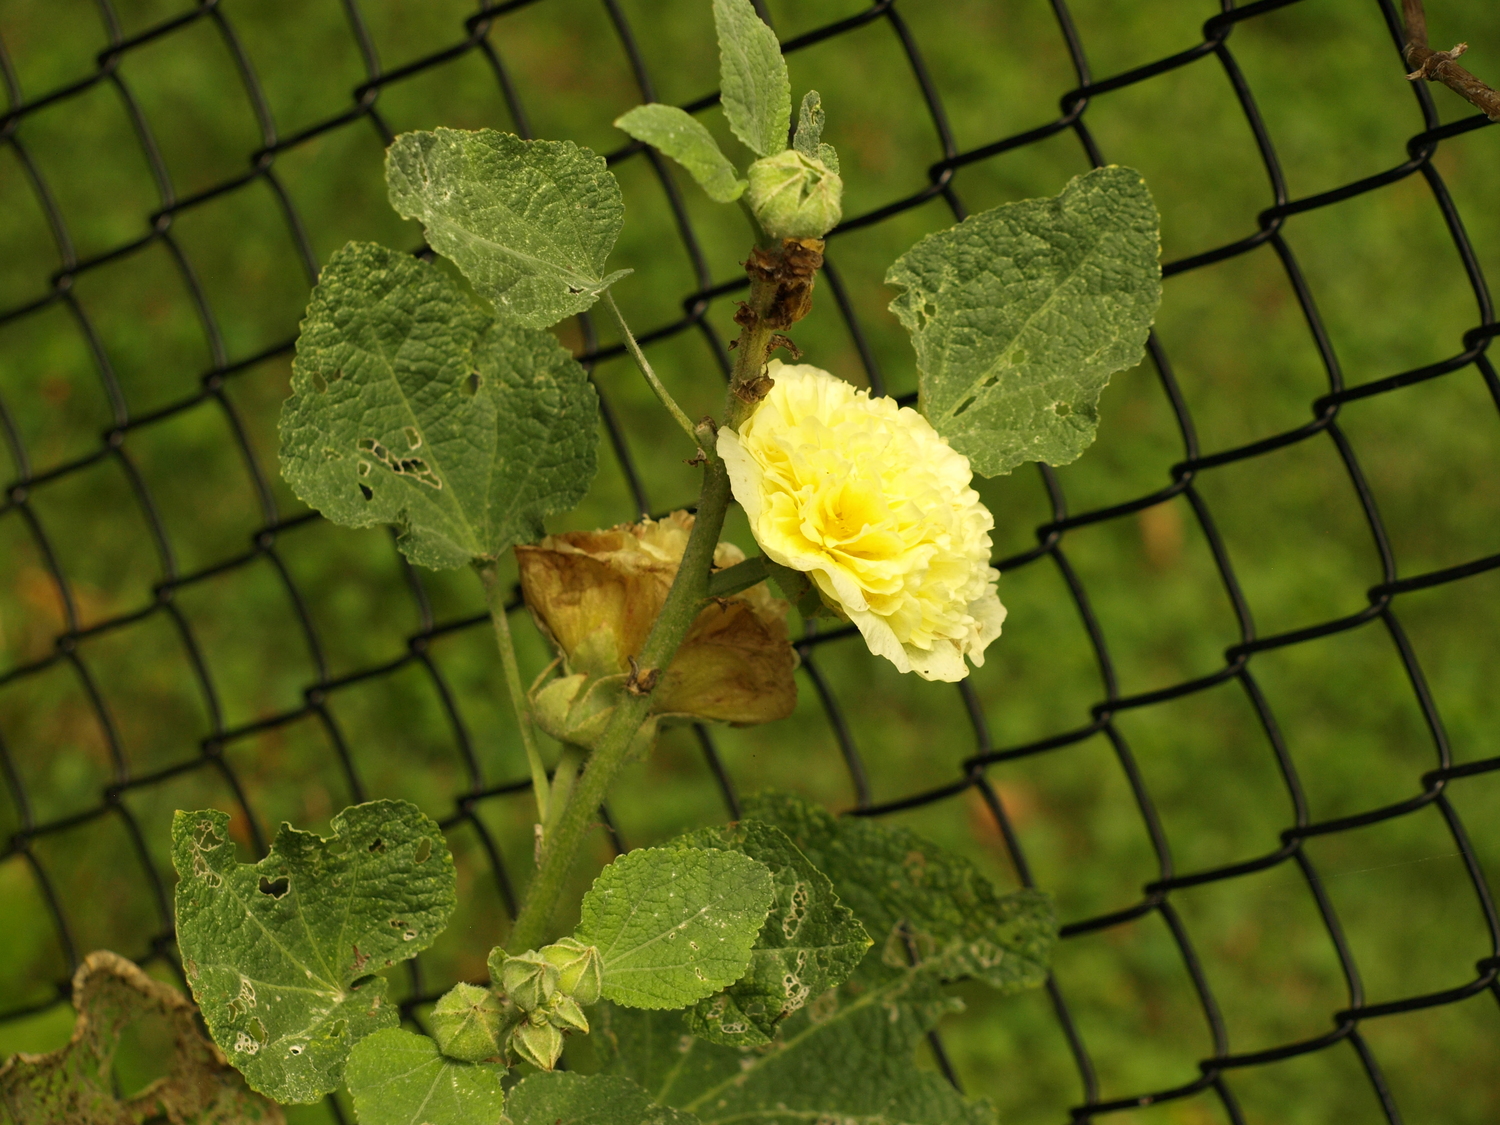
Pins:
<point x="494" y="595"/>
<point x="684" y="600"/>
<point x="750" y="349"/>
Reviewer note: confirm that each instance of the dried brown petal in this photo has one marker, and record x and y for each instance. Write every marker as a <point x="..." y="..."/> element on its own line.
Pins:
<point x="597" y="594"/>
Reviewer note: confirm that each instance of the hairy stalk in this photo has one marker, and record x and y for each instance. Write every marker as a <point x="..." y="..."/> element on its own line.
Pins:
<point x="781" y="284"/>
<point x="678" y="414"/>
<point x="568" y="767"/>
<point x="495" y="597"/>
<point x="684" y="600"/>
<point x="750" y="349"/>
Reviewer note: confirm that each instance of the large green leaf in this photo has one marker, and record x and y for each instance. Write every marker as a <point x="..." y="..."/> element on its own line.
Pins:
<point x="1019" y="316"/>
<point x="809" y="943"/>
<point x="674" y="925"/>
<point x="921" y="904"/>
<point x="756" y="93"/>
<point x="399" y="1078"/>
<point x="282" y="954"/>
<point x="846" y="1058"/>
<point x="560" y="1098"/>
<point x="530" y="223"/>
<point x="682" y="137"/>
<point x="411" y="406"/>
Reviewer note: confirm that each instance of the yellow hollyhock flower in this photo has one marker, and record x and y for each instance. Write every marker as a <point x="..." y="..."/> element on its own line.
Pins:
<point x="871" y="503"/>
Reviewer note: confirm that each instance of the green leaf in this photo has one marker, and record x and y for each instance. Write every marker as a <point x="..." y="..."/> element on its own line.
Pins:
<point x="921" y="904"/>
<point x="281" y="954"/>
<point x="754" y="88"/>
<point x="530" y="223"/>
<point x="809" y="943"/>
<point x="674" y="925"/>
<point x="77" y="1084"/>
<point x="399" y="1078"/>
<point x="682" y="137"/>
<point x="1019" y="316"/>
<point x="809" y="138"/>
<point x="586" y="1099"/>
<point x="845" y="1058"/>
<point x="411" y="406"/>
<point x="810" y="124"/>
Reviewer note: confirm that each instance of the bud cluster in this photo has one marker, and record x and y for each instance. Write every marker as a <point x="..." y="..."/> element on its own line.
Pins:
<point x="549" y="986"/>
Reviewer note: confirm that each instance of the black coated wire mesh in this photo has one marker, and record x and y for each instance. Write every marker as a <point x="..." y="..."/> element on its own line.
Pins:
<point x="1215" y="1073"/>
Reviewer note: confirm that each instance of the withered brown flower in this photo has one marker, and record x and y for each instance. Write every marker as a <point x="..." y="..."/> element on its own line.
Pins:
<point x="597" y="593"/>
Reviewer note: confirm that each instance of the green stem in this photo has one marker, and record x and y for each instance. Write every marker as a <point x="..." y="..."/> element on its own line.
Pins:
<point x="740" y="576"/>
<point x="568" y="767"/>
<point x="494" y="595"/>
<point x="750" y="350"/>
<point x="684" y="600"/>
<point x="656" y="384"/>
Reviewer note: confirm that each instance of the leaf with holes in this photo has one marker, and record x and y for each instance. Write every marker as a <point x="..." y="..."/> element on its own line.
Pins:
<point x="681" y="136"/>
<point x="848" y="1057"/>
<point x="586" y="1099"/>
<point x="674" y="925"/>
<point x="282" y="955"/>
<point x="78" y="1085"/>
<point x="1020" y="315"/>
<point x="809" y="943"/>
<point x="923" y="905"/>
<point x="754" y="87"/>
<point x="399" y="1078"/>
<point x="410" y="406"/>
<point x="530" y="223"/>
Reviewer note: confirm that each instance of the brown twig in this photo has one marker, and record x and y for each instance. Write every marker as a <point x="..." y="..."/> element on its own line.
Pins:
<point x="1439" y="66"/>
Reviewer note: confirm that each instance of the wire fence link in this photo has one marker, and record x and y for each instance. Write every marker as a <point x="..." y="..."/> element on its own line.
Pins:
<point x="1213" y="1074"/>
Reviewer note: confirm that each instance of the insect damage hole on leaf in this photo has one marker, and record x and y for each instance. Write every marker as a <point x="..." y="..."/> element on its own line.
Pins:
<point x="275" y="887"/>
<point x="306" y="954"/>
<point x="507" y="419"/>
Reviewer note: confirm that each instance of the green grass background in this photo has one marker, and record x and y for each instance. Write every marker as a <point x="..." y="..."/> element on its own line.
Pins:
<point x="1381" y="268"/>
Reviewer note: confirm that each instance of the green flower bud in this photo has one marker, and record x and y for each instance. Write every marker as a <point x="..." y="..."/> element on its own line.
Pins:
<point x="537" y="1041"/>
<point x="563" y="1011"/>
<point x="579" y="971"/>
<point x="528" y="980"/>
<point x="794" y="195"/>
<point x="468" y="1023"/>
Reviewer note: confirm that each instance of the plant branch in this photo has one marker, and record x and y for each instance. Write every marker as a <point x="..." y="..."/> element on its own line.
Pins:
<point x="740" y="576"/>
<point x="684" y="600"/>
<point x="656" y="384"/>
<point x="1439" y="66"/>
<point x="781" y="282"/>
<point x="495" y="597"/>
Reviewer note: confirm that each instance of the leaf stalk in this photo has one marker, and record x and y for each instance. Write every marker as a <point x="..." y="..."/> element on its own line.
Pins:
<point x="677" y="413"/>
<point x="494" y="596"/>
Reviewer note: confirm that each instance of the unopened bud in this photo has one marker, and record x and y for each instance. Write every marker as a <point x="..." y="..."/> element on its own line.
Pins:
<point x="467" y="1023"/>
<point x="528" y="980"/>
<point x="537" y="1041"/>
<point x="579" y="971"/>
<point x="563" y="1011"/>
<point x="794" y="195"/>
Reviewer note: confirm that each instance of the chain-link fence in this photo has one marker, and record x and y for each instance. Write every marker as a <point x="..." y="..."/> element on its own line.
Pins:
<point x="68" y="686"/>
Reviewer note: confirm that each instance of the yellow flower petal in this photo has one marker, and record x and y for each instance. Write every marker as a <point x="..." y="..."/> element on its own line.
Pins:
<point x="867" y="499"/>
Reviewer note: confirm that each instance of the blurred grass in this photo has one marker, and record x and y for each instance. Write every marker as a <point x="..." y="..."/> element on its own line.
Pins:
<point x="1384" y="277"/>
